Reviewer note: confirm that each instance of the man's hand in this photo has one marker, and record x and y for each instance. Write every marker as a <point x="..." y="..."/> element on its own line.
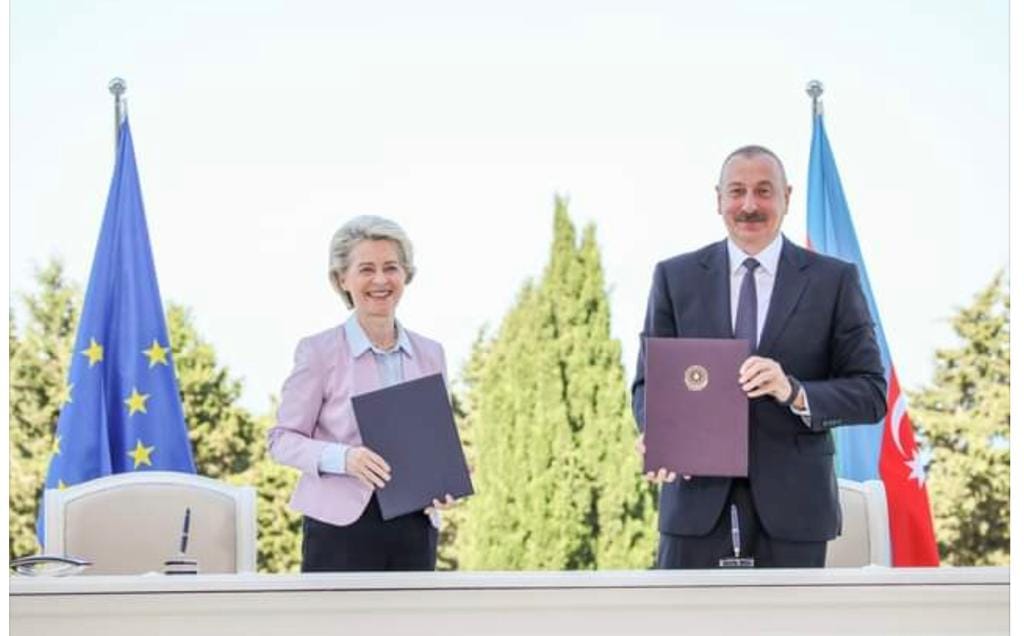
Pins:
<point x="663" y="475"/>
<point x="764" y="376"/>
<point x="366" y="465"/>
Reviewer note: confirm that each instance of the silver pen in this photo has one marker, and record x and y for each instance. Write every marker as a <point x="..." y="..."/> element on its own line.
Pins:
<point x="735" y="518"/>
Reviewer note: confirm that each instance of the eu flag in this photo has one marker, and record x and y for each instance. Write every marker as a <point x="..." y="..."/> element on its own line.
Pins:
<point x="888" y="452"/>
<point x="121" y="410"/>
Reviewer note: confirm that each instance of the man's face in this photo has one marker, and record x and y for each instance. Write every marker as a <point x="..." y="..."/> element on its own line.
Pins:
<point x="752" y="200"/>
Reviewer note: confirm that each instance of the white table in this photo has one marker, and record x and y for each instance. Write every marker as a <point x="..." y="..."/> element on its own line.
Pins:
<point x="836" y="601"/>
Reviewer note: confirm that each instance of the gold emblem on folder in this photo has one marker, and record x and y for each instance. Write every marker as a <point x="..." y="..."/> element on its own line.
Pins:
<point x="696" y="377"/>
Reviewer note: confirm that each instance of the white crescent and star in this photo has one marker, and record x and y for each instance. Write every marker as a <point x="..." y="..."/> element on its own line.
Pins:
<point x="896" y="415"/>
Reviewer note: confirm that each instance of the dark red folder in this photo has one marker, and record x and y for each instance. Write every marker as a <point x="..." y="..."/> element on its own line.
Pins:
<point x="411" y="426"/>
<point x="696" y="414"/>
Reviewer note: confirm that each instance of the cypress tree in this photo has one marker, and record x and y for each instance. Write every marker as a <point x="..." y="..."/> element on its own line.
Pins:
<point x="558" y="483"/>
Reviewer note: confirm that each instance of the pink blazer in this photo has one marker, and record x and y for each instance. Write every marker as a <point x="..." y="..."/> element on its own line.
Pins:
<point x="316" y="410"/>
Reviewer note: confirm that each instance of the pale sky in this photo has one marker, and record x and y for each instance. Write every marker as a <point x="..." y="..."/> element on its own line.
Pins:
<point x="261" y="127"/>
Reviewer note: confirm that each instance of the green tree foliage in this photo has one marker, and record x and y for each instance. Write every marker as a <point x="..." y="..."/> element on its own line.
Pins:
<point x="227" y="441"/>
<point x="964" y="415"/>
<point x="39" y="357"/>
<point x="279" y="547"/>
<point x="455" y="518"/>
<point x="550" y="432"/>
<point x="223" y="435"/>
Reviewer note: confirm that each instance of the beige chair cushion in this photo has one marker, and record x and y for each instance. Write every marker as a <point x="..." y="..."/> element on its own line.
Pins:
<point x="865" y="527"/>
<point x="134" y="528"/>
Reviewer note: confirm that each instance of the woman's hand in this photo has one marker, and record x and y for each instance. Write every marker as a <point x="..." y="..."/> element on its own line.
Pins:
<point x="663" y="475"/>
<point x="366" y="465"/>
<point x="439" y="505"/>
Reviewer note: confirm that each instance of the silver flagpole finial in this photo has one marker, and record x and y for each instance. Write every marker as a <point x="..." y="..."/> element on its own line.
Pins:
<point x="815" y="89"/>
<point x="117" y="88"/>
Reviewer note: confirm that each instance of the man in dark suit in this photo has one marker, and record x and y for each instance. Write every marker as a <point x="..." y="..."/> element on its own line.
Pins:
<point x="816" y="365"/>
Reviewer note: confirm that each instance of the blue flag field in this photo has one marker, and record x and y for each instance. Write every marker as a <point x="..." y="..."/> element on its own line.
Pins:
<point x="121" y="410"/>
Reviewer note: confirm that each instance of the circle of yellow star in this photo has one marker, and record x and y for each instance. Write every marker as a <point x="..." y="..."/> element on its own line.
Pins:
<point x="136" y="402"/>
<point x="94" y="352"/>
<point x="140" y="454"/>
<point x="156" y="354"/>
<point x="61" y="485"/>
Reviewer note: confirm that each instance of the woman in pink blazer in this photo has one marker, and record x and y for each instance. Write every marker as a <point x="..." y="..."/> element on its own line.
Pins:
<point x="342" y="530"/>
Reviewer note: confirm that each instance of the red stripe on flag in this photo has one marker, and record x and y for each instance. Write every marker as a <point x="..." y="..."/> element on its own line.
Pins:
<point x="910" y="521"/>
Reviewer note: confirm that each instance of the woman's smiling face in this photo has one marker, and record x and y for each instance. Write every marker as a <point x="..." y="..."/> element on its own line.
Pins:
<point x="375" y="278"/>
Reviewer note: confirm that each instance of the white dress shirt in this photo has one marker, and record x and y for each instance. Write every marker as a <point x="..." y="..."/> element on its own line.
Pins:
<point x="764" y="278"/>
<point x="764" y="282"/>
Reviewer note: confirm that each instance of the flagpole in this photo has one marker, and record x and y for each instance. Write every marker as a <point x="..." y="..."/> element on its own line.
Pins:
<point x="815" y="89"/>
<point x="117" y="87"/>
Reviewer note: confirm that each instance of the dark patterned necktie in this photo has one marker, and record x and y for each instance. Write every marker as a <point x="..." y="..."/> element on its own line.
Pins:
<point x="746" y="308"/>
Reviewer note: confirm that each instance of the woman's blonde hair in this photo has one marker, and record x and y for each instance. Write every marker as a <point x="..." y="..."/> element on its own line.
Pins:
<point x="366" y="228"/>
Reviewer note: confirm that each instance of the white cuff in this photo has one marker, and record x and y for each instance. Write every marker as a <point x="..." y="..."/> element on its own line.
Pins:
<point x="805" y="413"/>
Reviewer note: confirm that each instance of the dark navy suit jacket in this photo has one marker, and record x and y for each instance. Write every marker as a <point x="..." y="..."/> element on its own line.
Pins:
<point x="820" y="330"/>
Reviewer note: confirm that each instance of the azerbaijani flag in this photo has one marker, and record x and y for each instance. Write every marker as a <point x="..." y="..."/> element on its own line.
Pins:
<point x="887" y="452"/>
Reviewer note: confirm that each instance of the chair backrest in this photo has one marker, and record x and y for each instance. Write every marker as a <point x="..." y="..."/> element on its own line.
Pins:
<point x="131" y="523"/>
<point x="865" y="535"/>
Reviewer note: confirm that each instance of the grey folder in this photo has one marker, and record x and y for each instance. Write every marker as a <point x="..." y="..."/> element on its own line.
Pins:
<point x="411" y="426"/>
<point x="696" y="414"/>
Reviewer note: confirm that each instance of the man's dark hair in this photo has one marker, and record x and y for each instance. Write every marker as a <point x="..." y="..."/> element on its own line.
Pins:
<point x="752" y="151"/>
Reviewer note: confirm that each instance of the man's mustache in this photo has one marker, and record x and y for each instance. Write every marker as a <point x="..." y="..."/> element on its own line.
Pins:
<point x="751" y="217"/>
